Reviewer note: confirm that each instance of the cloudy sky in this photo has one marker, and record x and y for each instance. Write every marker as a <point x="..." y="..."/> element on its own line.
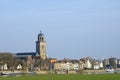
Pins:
<point x="72" y="28"/>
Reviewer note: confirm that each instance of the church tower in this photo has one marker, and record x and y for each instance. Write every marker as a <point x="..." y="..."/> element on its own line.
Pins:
<point x="41" y="47"/>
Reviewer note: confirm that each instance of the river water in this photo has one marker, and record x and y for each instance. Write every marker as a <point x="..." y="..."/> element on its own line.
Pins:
<point x="111" y="72"/>
<point x="19" y="74"/>
<point x="33" y="73"/>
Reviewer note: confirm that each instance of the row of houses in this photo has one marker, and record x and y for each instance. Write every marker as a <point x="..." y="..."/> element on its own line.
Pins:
<point x="5" y="67"/>
<point x="83" y="63"/>
<point x="86" y="63"/>
<point x="68" y="64"/>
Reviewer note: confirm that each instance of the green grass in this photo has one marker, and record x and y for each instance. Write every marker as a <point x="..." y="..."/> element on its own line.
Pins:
<point x="67" y="77"/>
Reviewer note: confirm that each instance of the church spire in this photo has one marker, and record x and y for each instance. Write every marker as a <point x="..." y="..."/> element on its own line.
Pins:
<point x="40" y="32"/>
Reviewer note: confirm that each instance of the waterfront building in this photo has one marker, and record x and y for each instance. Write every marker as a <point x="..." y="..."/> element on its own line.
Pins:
<point x="101" y="65"/>
<point x="3" y="67"/>
<point x="113" y="62"/>
<point x="106" y="62"/>
<point x="85" y="63"/>
<point x="118" y="63"/>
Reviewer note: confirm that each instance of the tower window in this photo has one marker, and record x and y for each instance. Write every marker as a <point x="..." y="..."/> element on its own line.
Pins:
<point x="42" y="39"/>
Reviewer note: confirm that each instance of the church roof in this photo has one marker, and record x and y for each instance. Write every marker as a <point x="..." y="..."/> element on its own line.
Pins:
<point x="40" y="34"/>
<point x="26" y="54"/>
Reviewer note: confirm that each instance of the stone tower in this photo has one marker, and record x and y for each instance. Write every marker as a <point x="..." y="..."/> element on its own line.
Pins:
<point x="41" y="47"/>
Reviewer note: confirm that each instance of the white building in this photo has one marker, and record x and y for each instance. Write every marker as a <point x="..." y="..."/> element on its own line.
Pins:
<point x="4" y="67"/>
<point x="96" y="66"/>
<point x="101" y="64"/>
<point x="66" y="66"/>
<point x="19" y="67"/>
<point x="76" y="66"/>
<point x="85" y="63"/>
<point x="88" y="64"/>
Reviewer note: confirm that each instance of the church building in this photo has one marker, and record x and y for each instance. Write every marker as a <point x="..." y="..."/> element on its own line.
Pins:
<point x="40" y="49"/>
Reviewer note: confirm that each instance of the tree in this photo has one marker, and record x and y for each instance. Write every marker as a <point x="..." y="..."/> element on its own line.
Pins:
<point x="5" y="58"/>
<point x="9" y="59"/>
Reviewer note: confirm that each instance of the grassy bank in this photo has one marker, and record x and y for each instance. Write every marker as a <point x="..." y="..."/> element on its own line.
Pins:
<point x="66" y="77"/>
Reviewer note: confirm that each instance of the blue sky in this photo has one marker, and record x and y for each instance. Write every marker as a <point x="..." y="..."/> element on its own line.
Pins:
<point x="72" y="28"/>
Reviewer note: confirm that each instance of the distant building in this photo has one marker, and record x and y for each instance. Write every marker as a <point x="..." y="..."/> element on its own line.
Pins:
<point x="101" y="65"/>
<point x="85" y="63"/>
<point x="113" y="62"/>
<point x="19" y="67"/>
<point x="4" y="67"/>
<point x="106" y="62"/>
<point x="96" y="64"/>
<point x="41" y="47"/>
<point x="23" y="56"/>
<point x="60" y="66"/>
<point x="37" y="58"/>
<point x="118" y="63"/>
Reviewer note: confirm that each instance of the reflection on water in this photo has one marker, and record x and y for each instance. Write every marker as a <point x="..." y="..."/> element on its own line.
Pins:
<point x="19" y="74"/>
<point x="110" y="72"/>
<point x="33" y="73"/>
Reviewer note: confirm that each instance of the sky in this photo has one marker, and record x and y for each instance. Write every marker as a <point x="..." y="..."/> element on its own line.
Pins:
<point x="72" y="28"/>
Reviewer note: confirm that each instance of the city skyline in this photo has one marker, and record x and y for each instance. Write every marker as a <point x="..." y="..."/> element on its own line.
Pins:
<point x="72" y="29"/>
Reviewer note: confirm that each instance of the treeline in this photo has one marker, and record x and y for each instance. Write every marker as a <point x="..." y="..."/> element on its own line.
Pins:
<point x="5" y="57"/>
<point x="9" y="59"/>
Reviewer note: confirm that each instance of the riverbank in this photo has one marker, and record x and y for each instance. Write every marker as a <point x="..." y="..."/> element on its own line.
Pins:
<point x="66" y="77"/>
<point x="70" y="72"/>
<point x="60" y="72"/>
